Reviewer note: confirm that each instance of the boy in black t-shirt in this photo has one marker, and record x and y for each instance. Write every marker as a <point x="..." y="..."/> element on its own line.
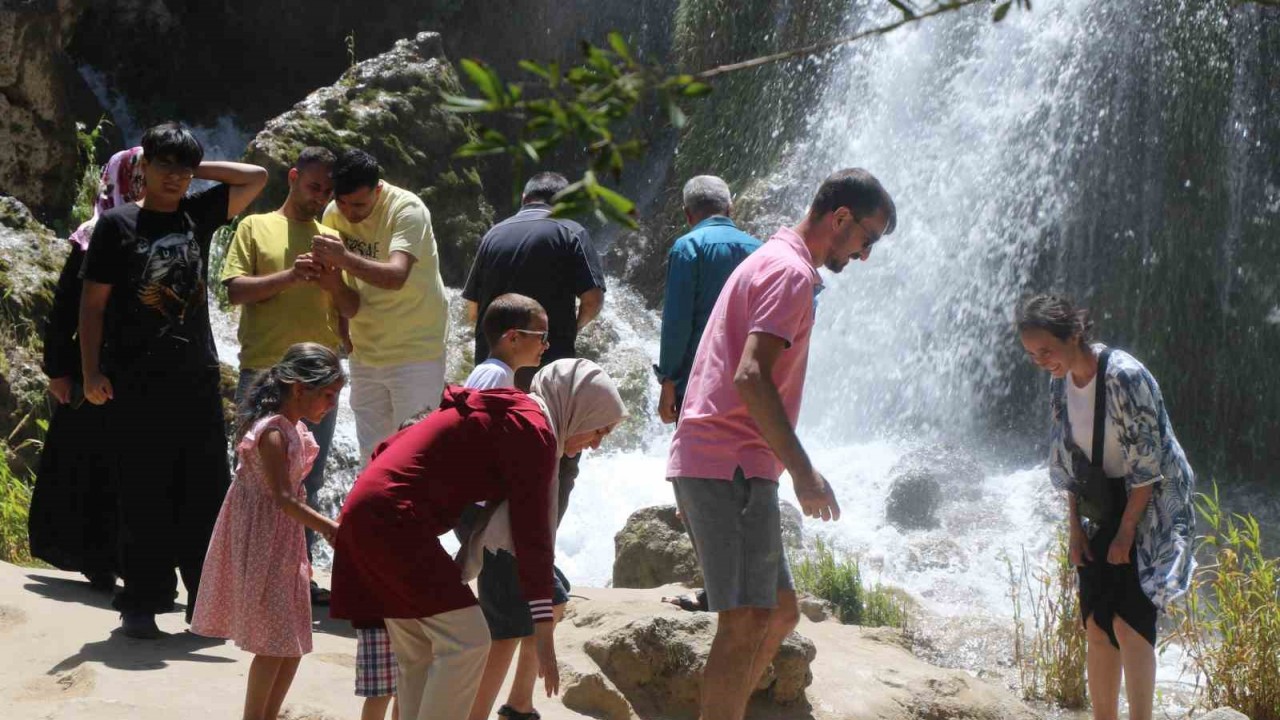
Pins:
<point x="147" y="352"/>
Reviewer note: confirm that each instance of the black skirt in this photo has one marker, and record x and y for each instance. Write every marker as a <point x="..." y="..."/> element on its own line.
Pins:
<point x="72" y="524"/>
<point x="1108" y="591"/>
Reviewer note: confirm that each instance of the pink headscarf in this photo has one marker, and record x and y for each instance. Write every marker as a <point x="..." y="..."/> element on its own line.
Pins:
<point x="121" y="183"/>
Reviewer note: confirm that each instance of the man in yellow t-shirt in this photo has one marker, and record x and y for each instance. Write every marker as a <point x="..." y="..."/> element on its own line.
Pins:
<point x="285" y="296"/>
<point x="388" y="254"/>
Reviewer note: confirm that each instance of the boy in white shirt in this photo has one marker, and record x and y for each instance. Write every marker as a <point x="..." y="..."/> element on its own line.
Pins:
<point x="515" y="327"/>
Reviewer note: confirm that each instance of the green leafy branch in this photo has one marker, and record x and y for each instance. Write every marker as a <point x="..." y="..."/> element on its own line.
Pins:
<point x="586" y="105"/>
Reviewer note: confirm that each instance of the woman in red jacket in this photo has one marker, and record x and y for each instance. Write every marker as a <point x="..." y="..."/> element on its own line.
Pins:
<point x="499" y="447"/>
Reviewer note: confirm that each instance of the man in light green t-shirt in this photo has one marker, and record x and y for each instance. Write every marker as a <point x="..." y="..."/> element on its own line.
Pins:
<point x="285" y="295"/>
<point x="388" y="254"/>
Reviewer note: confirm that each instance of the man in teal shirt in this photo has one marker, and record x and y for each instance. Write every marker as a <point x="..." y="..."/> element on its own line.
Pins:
<point x="697" y="267"/>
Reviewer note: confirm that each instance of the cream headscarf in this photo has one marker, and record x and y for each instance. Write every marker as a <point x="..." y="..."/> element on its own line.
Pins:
<point x="577" y="396"/>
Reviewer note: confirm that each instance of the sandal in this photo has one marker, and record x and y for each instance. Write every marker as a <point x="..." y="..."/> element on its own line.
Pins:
<point x="506" y="711"/>
<point x="695" y="602"/>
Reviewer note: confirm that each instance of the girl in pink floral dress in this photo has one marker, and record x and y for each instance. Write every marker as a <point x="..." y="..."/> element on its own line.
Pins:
<point x="255" y="585"/>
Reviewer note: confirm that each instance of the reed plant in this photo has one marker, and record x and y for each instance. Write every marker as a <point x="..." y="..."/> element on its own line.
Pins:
<point x="1229" y="623"/>
<point x="1049" y="640"/>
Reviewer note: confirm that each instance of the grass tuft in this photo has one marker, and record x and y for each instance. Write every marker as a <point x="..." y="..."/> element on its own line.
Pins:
<point x="837" y="578"/>
<point x="1049" y="640"/>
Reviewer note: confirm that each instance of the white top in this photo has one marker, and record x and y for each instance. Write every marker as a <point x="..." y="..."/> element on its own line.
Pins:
<point x="490" y="374"/>
<point x="1080" y="402"/>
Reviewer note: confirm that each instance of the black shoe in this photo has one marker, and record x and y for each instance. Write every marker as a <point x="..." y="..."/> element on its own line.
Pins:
<point x="510" y="713"/>
<point x="140" y="625"/>
<point x="102" y="581"/>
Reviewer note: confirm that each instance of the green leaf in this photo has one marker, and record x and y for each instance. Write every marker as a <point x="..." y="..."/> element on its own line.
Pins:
<point x="620" y="203"/>
<point x="1001" y="10"/>
<point x="619" y="45"/>
<point x="536" y="69"/>
<point x="696" y="89"/>
<point x="484" y="78"/>
<point x="530" y="151"/>
<point x="464" y="104"/>
<point x="676" y="115"/>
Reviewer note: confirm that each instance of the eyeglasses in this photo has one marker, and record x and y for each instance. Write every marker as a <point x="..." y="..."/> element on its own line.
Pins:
<point x="872" y="238"/>
<point x="174" y="170"/>
<point x="541" y="334"/>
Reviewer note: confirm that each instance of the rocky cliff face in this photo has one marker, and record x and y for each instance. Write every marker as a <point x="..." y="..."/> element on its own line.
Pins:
<point x="390" y="106"/>
<point x="37" y="129"/>
<point x="29" y="265"/>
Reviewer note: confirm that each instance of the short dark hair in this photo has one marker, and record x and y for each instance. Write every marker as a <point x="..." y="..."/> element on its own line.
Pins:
<point x="1056" y="315"/>
<point x="857" y="190"/>
<point x="353" y="170"/>
<point x="315" y="155"/>
<point x="172" y="141"/>
<point x="544" y="186"/>
<point x="511" y="311"/>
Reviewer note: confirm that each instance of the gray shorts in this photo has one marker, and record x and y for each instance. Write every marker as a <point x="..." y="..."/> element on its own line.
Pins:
<point x="736" y="529"/>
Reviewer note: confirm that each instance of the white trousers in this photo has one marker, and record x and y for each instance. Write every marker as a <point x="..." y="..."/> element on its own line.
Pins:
<point x="384" y="397"/>
<point x="439" y="660"/>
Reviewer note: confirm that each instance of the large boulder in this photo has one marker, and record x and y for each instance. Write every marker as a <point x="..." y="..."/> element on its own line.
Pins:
<point x="653" y="549"/>
<point x="390" y="106"/>
<point x="29" y="267"/>
<point x="924" y="479"/>
<point x="38" y="151"/>
<point x="913" y="501"/>
<point x="656" y="662"/>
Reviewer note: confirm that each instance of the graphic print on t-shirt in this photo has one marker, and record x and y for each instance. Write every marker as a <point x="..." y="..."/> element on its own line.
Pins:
<point x="363" y="248"/>
<point x="169" y="278"/>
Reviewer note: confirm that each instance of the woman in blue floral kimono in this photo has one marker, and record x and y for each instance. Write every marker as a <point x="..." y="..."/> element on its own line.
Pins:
<point x="1129" y="512"/>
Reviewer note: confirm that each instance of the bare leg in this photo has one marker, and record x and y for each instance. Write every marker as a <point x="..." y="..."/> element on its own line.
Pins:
<point x="1103" y="663"/>
<point x="727" y="677"/>
<point x="495" y="671"/>
<point x="782" y="620"/>
<point x="375" y="708"/>
<point x="521" y="696"/>
<point x="1139" y="660"/>
<point x="280" y="688"/>
<point x="262" y="678"/>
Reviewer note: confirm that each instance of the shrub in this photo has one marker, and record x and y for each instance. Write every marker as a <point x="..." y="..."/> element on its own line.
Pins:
<point x="217" y="257"/>
<point x="1229" y="624"/>
<point x="1049" y="651"/>
<point x="87" y="186"/>
<point x="838" y="580"/>
<point x="15" y="501"/>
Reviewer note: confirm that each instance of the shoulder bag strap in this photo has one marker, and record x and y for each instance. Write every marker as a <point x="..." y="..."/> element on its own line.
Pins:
<point x="1100" y="408"/>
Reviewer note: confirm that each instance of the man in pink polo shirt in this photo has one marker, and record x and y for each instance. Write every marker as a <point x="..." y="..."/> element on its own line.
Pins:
<point x="737" y="430"/>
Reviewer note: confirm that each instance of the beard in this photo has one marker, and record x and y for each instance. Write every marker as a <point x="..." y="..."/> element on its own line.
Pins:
<point x="835" y="265"/>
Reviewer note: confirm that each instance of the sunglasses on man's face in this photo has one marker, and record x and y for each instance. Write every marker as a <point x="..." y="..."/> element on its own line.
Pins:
<point x="541" y="334"/>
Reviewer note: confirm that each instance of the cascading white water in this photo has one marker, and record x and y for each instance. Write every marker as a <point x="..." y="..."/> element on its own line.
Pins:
<point x="968" y="124"/>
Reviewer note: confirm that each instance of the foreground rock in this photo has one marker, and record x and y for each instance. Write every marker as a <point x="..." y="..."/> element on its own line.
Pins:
<point x="63" y="660"/>
<point x="30" y="259"/>
<point x="390" y="106"/>
<point x="656" y="663"/>
<point x="625" y="646"/>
